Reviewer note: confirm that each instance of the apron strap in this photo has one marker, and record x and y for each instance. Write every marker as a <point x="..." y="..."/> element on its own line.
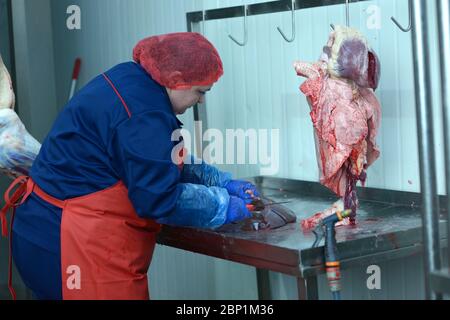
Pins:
<point x="10" y="279"/>
<point x="12" y="201"/>
<point x="25" y="186"/>
<point x="18" y="197"/>
<point x="45" y="196"/>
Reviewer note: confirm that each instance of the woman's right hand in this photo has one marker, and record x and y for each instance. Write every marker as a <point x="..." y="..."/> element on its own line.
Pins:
<point x="237" y="210"/>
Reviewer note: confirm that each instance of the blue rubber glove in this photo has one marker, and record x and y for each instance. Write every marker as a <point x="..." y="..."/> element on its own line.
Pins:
<point x="199" y="206"/>
<point x="199" y="172"/>
<point x="237" y="210"/>
<point x="242" y="189"/>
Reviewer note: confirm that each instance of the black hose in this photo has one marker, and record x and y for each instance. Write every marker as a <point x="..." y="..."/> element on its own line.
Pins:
<point x="326" y="229"/>
<point x="336" y="295"/>
<point x="331" y="254"/>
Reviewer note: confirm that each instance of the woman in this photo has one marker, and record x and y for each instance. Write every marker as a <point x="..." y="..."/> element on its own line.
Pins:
<point x="104" y="179"/>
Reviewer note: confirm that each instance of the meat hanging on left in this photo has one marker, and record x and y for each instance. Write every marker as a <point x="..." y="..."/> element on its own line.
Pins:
<point x="18" y="148"/>
<point x="345" y="113"/>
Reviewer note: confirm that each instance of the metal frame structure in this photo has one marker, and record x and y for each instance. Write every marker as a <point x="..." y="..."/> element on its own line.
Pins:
<point x="435" y="278"/>
<point x="424" y="116"/>
<point x="439" y="280"/>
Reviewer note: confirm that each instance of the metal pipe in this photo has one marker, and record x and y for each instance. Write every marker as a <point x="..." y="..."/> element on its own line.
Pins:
<point x="200" y="117"/>
<point x="203" y="22"/>
<point x="347" y="13"/>
<point x="443" y="9"/>
<point x="430" y="206"/>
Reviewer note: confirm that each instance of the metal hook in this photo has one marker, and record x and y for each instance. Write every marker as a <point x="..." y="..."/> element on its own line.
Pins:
<point x="347" y="13"/>
<point x="293" y="25"/>
<point x="245" y="30"/>
<point x="410" y="19"/>
<point x="203" y="22"/>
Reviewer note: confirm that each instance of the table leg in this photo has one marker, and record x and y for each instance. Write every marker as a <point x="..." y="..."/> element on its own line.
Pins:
<point x="307" y="288"/>
<point x="263" y="282"/>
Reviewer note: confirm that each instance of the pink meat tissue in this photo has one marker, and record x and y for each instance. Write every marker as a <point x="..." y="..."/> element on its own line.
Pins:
<point x="18" y="148"/>
<point x="345" y="113"/>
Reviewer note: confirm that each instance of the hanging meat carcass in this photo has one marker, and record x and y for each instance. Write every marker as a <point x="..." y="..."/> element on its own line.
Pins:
<point x="7" y="98"/>
<point x="18" y="148"/>
<point x="345" y="113"/>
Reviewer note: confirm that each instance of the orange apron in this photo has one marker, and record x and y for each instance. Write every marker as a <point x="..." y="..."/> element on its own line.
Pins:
<point x="106" y="248"/>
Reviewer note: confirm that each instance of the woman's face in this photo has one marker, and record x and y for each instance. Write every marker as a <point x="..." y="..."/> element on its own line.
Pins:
<point x="184" y="99"/>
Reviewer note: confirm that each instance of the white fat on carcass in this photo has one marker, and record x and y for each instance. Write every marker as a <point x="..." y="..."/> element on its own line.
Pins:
<point x="18" y="148"/>
<point x="335" y="42"/>
<point x="7" y="98"/>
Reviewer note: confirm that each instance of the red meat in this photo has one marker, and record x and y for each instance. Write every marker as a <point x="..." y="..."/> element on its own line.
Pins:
<point x="345" y="112"/>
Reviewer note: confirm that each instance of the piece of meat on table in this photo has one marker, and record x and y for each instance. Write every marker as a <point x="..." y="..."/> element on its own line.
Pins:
<point x="345" y="113"/>
<point x="314" y="220"/>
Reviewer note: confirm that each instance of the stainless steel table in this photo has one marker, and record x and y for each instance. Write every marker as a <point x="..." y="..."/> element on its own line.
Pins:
<point x="388" y="227"/>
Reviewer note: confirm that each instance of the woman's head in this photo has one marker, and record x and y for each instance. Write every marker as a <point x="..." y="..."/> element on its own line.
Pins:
<point x="186" y="63"/>
<point x="182" y="99"/>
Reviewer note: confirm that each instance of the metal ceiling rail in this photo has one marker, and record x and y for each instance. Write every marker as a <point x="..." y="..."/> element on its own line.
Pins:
<point x="261" y="8"/>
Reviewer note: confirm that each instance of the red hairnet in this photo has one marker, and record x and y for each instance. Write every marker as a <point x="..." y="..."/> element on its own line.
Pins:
<point x="179" y="60"/>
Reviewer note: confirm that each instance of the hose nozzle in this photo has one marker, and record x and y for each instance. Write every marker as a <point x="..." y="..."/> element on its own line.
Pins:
<point x="332" y="263"/>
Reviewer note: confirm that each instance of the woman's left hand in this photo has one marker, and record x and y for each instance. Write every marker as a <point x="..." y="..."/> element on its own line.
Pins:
<point x="243" y="189"/>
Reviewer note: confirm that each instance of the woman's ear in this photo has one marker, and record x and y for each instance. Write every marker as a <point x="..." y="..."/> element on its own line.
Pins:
<point x="175" y="79"/>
